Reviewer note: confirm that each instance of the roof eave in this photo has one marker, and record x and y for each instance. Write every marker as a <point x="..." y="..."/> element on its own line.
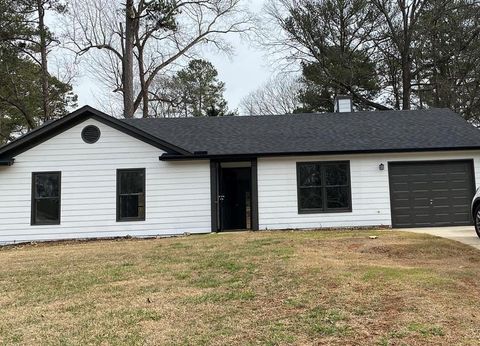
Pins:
<point x="173" y="157"/>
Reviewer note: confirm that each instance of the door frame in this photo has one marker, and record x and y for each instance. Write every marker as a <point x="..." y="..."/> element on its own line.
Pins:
<point x="215" y="167"/>
<point x="470" y="161"/>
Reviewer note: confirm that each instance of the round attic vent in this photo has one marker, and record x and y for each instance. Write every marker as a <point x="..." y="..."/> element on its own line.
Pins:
<point x="90" y="134"/>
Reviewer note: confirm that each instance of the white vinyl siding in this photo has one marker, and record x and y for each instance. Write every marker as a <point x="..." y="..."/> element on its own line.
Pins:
<point x="177" y="193"/>
<point x="277" y="189"/>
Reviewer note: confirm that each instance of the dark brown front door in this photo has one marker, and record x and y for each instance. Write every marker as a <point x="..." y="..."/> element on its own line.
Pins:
<point x="431" y="193"/>
<point x="234" y="195"/>
<point x="235" y="198"/>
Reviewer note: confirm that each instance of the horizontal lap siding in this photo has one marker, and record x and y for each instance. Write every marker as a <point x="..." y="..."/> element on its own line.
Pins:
<point x="277" y="190"/>
<point x="177" y="193"/>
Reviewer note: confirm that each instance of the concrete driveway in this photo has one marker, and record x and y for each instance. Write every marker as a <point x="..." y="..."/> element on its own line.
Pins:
<point x="463" y="234"/>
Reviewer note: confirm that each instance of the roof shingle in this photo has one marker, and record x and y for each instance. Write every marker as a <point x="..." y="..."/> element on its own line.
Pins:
<point x="433" y="129"/>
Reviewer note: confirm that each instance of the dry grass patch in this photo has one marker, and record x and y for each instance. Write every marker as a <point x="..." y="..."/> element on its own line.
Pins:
<point x="269" y="288"/>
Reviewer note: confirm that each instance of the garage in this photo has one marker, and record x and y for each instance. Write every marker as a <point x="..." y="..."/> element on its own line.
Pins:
<point x="431" y="193"/>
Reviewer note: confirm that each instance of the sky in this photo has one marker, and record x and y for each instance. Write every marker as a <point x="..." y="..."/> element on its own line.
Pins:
<point x="242" y="72"/>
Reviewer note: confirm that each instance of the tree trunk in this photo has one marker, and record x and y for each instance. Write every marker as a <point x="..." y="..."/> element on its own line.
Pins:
<point x="406" y="81"/>
<point x="143" y="84"/>
<point x="144" y="96"/>
<point x="127" y="64"/>
<point x="141" y="66"/>
<point x="43" y="56"/>
<point x="396" y="91"/>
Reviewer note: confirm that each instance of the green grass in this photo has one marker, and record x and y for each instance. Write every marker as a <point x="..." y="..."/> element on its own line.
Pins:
<point x="268" y="288"/>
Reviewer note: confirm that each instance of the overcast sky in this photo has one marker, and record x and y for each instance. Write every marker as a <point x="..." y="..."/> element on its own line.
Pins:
<point x="246" y="70"/>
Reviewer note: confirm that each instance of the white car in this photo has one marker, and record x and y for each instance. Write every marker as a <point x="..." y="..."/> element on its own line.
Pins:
<point x="476" y="211"/>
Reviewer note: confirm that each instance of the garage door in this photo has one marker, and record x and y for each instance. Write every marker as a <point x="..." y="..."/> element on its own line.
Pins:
<point x="431" y="193"/>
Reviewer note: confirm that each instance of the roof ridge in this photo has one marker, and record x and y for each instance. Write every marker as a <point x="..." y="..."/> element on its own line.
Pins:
<point x="432" y="109"/>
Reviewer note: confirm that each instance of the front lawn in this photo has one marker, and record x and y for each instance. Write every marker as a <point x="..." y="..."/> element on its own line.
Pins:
<point x="323" y="287"/>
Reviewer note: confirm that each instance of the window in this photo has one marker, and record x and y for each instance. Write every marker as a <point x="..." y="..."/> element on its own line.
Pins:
<point x="323" y="187"/>
<point x="131" y="195"/>
<point x="46" y="198"/>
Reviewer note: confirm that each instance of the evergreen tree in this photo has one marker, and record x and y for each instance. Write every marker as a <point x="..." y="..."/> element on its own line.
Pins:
<point x="198" y="92"/>
<point x="22" y="97"/>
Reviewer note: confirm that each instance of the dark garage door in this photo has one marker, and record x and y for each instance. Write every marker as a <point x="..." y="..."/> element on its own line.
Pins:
<point x="431" y="193"/>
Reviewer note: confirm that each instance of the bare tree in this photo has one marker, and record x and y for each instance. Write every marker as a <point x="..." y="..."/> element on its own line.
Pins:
<point x="331" y="36"/>
<point x="277" y="96"/>
<point x="385" y="53"/>
<point x="157" y="34"/>
<point x="395" y="39"/>
<point x="127" y="66"/>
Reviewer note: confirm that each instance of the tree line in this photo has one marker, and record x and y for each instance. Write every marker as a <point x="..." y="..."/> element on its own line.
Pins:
<point x="147" y="54"/>
<point x="386" y="54"/>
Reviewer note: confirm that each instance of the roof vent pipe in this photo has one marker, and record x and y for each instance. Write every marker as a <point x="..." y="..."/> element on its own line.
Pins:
<point x="343" y="103"/>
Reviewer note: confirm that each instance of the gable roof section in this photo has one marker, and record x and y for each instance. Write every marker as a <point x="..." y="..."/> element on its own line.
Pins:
<point x="51" y="129"/>
<point x="326" y="133"/>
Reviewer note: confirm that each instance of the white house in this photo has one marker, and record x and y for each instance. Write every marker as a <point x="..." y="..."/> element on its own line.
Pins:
<point x="91" y="175"/>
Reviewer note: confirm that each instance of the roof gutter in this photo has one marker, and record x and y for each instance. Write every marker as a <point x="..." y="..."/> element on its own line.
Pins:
<point x="203" y="156"/>
<point x="7" y="162"/>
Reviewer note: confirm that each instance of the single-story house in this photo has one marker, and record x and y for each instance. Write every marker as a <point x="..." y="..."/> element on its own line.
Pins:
<point x="92" y="175"/>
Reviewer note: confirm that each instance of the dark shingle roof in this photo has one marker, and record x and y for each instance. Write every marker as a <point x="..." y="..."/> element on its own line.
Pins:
<point x="327" y="133"/>
<point x="433" y="129"/>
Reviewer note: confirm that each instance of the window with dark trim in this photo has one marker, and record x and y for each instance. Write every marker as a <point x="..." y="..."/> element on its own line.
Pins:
<point x="46" y="198"/>
<point x="323" y="187"/>
<point x="131" y="194"/>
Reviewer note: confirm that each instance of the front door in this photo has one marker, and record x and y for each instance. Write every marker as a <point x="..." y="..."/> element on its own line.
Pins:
<point x="235" y="198"/>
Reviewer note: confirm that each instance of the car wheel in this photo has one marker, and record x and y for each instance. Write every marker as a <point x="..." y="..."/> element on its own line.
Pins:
<point x="477" y="220"/>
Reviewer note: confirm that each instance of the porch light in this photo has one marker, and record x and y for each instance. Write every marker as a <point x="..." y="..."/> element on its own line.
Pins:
<point x="381" y="166"/>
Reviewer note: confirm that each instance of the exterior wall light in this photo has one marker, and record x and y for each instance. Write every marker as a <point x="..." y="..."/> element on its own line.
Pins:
<point x="381" y="167"/>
